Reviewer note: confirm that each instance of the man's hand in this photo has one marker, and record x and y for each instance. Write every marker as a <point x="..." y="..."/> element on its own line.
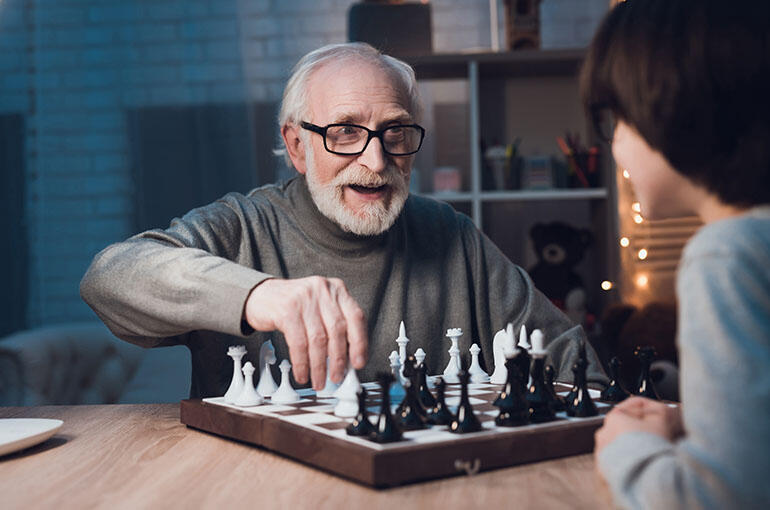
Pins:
<point x="318" y="318"/>
<point x="639" y="414"/>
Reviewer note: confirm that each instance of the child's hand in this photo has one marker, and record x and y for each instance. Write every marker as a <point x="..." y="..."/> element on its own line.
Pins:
<point x="639" y="414"/>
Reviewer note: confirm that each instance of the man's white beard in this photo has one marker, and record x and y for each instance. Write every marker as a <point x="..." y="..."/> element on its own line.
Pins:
<point x="369" y="219"/>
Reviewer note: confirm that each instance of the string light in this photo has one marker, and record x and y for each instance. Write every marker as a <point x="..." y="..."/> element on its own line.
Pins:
<point x="642" y="254"/>
<point x="637" y="207"/>
<point x="624" y="242"/>
<point x="638" y="218"/>
<point x="626" y="174"/>
<point x="606" y="285"/>
<point x="642" y="280"/>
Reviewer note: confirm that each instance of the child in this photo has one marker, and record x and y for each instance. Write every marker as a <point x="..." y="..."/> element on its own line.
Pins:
<point x="687" y="83"/>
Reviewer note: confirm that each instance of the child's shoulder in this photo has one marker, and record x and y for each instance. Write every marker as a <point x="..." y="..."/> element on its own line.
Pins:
<point x="748" y="233"/>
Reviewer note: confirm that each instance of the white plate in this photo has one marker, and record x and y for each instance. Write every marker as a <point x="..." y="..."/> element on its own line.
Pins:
<point x="19" y="433"/>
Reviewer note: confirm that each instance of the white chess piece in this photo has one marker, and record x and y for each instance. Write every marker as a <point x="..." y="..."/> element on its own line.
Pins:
<point x="453" y="367"/>
<point x="347" y="395"/>
<point x="237" y="352"/>
<point x="266" y="385"/>
<point x="330" y="386"/>
<point x="538" y="343"/>
<point x="523" y="339"/>
<point x="510" y="344"/>
<point x="397" y="391"/>
<point x="249" y="396"/>
<point x="419" y="355"/>
<point x="285" y="394"/>
<point x="500" y="374"/>
<point x="477" y="373"/>
<point x="402" y="340"/>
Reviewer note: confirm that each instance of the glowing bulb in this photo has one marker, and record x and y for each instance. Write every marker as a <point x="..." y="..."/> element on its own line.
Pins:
<point x="606" y="285"/>
<point x="626" y="174"/>
<point x="638" y="218"/>
<point x="642" y="280"/>
<point x="637" y="207"/>
<point x="642" y="254"/>
<point x="624" y="242"/>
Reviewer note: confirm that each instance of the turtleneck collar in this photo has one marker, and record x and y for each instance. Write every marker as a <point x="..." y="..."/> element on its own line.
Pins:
<point x="326" y="232"/>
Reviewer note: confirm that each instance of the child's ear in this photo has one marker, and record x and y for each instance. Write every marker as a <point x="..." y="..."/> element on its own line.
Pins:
<point x="294" y="146"/>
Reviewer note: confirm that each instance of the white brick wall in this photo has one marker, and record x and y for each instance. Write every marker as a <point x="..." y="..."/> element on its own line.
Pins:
<point x="73" y="66"/>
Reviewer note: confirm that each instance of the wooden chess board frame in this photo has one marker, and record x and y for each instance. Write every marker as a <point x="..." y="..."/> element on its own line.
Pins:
<point x="397" y="463"/>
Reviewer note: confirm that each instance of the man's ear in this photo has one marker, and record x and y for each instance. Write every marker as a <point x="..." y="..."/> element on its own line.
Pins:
<point x="294" y="146"/>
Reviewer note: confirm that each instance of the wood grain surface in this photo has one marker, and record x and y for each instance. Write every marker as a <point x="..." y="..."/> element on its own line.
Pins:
<point x="141" y="456"/>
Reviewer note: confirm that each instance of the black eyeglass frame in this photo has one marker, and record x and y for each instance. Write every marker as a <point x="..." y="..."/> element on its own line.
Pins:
<point x="371" y="134"/>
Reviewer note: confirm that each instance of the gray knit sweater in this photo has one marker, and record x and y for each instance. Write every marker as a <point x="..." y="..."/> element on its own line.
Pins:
<point x="723" y="461"/>
<point x="433" y="269"/>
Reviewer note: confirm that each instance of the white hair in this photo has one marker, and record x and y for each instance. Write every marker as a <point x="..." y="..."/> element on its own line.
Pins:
<point x="294" y="104"/>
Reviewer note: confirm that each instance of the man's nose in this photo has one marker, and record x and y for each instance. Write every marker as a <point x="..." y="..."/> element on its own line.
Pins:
<point x="374" y="157"/>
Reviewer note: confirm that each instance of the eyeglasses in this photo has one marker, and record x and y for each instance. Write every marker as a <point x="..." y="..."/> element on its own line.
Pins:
<point x="604" y="123"/>
<point x="352" y="139"/>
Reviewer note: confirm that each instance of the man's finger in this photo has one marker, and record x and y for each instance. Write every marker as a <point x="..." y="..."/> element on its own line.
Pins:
<point x="356" y="329"/>
<point x="317" y="344"/>
<point x="296" y="339"/>
<point x="336" y="331"/>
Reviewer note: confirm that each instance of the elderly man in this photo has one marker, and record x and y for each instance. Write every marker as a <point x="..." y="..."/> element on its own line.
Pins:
<point x="334" y="258"/>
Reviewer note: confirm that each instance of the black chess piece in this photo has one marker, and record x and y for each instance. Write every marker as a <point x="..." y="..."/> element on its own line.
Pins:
<point x="615" y="391"/>
<point x="512" y="401"/>
<point x="439" y="414"/>
<point x="559" y="404"/>
<point x="465" y="420"/>
<point x="645" y="387"/>
<point x="361" y="426"/>
<point x="524" y="361"/>
<point x="583" y="360"/>
<point x="426" y="397"/>
<point x="541" y="408"/>
<point x="386" y="428"/>
<point x="581" y="405"/>
<point x="410" y="413"/>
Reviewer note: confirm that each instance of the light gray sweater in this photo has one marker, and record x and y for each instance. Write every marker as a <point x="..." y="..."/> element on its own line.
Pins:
<point x="433" y="269"/>
<point x="723" y="461"/>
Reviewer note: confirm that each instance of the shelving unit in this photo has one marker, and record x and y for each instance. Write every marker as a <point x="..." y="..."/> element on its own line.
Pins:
<point x="485" y="71"/>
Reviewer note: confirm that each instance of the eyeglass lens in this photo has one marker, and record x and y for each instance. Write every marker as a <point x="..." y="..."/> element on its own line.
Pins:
<point x="352" y="139"/>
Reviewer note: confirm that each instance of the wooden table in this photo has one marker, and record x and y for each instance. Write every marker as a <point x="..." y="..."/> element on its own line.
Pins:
<point x="141" y="456"/>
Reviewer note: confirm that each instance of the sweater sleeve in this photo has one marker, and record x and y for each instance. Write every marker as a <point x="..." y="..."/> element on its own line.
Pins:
<point x="158" y="285"/>
<point x="722" y="461"/>
<point x="512" y="297"/>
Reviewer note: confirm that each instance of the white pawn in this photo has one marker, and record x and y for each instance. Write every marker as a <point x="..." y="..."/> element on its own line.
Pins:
<point x="237" y="352"/>
<point x="419" y="355"/>
<point x="285" y="394"/>
<point x="249" y="396"/>
<point x="452" y="369"/>
<point x="266" y="385"/>
<point x="538" y="343"/>
<point x="330" y="386"/>
<point x="347" y="395"/>
<point x="477" y="373"/>
<point x="523" y="339"/>
<point x="397" y="391"/>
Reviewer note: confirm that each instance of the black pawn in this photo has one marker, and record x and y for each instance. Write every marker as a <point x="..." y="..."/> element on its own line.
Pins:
<point x="439" y="414"/>
<point x="386" y="429"/>
<point x="645" y="387"/>
<point x="559" y="404"/>
<point x="581" y="405"/>
<point x="540" y="402"/>
<point x="582" y="360"/>
<point x="426" y="397"/>
<point x="614" y="392"/>
<point x="410" y="413"/>
<point x="361" y="426"/>
<point x="465" y="420"/>
<point x="512" y="401"/>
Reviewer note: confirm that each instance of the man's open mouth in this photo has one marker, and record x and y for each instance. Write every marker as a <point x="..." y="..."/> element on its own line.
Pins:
<point x="359" y="188"/>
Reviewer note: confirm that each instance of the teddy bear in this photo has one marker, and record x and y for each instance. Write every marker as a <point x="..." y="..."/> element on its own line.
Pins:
<point x="559" y="248"/>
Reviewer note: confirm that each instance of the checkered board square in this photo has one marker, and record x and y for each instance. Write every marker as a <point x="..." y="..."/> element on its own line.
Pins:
<point x="309" y="431"/>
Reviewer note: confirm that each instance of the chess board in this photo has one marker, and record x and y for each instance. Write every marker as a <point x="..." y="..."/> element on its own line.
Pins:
<point x="309" y="432"/>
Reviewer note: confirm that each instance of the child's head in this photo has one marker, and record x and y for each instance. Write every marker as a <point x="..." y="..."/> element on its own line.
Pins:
<point x="693" y="79"/>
